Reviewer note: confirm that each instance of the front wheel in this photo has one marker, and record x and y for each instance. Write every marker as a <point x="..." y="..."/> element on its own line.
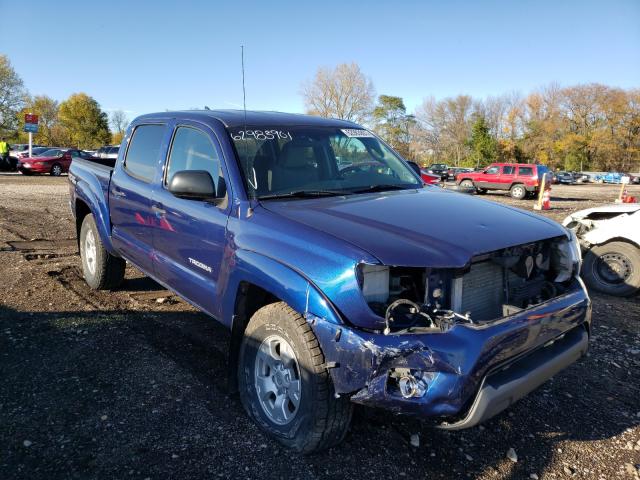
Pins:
<point x="518" y="192"/>
<point x="56" y="170"/>
<point x="102" y="271"/>
<point x="613" y="268"/>
<point x="284" y="384"/>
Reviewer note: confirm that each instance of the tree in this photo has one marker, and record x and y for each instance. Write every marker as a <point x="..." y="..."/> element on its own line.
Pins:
<point x="393" y="124"/>
<point x="12" y="95"/>
<point x="119" y="123"/>
<point x="84" y="122"/>
<point x="483" y="145"/>
<point x="343" y="92"/>
<point x="49" y="130"/>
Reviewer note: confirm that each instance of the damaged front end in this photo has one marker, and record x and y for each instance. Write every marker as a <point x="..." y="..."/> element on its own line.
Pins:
<point x="493" y="285"/>
<point x="445" y="332"/>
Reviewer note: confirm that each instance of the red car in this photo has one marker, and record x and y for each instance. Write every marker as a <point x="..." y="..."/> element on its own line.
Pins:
<point x="55" y="161"/>
<point x="519" y="179"/>
<point x="429" y="178"/>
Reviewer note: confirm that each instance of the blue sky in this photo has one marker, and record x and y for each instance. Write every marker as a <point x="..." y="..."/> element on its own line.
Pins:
<point x="143" y="56"/>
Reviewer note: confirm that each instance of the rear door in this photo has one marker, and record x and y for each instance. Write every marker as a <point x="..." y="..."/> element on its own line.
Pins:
<point x="507" y="176"/>
<point x="190" y="235"/>
<point x="131" y="189"/>
<point x="526" y="176"/>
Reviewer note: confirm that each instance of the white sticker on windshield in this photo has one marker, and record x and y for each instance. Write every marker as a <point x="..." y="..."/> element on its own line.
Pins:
<point x="356" y="132"/>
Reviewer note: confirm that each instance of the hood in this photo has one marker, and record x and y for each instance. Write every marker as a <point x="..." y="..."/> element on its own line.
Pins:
<point x="428" y="227"/>
<point x="607" y="210"/>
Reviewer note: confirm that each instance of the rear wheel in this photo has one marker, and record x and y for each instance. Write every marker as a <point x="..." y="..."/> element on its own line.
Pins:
<point x="467" y="184"/>
<point x="102" y="271"/>
<point x="284" y="384"/>
<point x="518" y="191"/>
<point x="56" y="170"/>
<point x="613" y="268"/>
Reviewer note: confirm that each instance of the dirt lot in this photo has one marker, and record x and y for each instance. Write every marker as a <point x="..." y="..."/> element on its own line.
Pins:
<point x="131" y="384"/>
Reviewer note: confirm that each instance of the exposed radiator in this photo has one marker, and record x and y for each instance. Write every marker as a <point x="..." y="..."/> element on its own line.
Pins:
<point x="482" y="291"/>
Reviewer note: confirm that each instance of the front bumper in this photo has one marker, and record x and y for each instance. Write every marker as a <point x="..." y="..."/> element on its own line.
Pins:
<point x="463" y="368"/>
<point x="33" y="168"/>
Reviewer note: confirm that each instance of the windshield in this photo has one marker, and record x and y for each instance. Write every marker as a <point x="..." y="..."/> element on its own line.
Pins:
<point x="294" y="161"/>
<point x="53" y="152"/>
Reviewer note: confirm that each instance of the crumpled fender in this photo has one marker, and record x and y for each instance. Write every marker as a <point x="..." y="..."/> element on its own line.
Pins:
<point x="279" y="279"/>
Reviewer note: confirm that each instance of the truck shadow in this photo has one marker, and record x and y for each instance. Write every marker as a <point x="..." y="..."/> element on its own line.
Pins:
<point x="47" y="355"/>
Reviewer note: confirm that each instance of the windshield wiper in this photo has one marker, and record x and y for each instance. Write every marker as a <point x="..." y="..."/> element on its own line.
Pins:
<point x="305" y="194"/>
<point x="384" y="187"/>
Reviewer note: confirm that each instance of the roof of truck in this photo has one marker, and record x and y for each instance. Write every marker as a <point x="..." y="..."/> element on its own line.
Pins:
<point x="236" y="118"/>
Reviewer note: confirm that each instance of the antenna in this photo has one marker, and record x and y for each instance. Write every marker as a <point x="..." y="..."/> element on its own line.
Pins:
<point x="244" y="91"/>
<point x="254" y="184"/>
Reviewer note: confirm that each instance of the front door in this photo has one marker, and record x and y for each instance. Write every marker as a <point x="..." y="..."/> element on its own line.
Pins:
<point x="130" y="194"/>
<point x="190" y="235"/>
<point x="489" y="178"/>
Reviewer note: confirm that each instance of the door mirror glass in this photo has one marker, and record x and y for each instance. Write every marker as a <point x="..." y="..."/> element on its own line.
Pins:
<point x="193" y="185"/>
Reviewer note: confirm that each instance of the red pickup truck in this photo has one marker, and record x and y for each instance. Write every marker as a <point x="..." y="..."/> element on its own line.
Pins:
<point x="519" y="178"/>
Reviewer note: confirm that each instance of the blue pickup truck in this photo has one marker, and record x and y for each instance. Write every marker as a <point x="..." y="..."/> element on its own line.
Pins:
<point x="340" y="285"/>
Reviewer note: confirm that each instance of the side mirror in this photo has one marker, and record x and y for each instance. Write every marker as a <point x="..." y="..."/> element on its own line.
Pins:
<point x="193" y="185"/>
<point x="415" y="166"/>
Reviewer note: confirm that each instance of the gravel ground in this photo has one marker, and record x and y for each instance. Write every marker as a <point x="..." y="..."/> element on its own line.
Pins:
<point x="131" y="384"/>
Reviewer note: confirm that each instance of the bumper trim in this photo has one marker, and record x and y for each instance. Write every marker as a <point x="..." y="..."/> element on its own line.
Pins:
<point x="506" y="386"/>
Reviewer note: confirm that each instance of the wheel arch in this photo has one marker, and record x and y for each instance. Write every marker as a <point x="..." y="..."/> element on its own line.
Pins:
<point x="257" y="281"/>
<point x="86" y="204"/>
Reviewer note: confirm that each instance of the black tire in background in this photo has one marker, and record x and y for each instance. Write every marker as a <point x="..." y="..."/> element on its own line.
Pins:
<point x="105" y="271"/>
<point x="613" y="268"/>
<point x="321" y="420"/>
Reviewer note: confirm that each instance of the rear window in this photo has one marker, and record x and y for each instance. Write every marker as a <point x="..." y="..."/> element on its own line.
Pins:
<point x="142" y="155"/>
<point x="525" y="171"/>
<point x="113" y="150"/>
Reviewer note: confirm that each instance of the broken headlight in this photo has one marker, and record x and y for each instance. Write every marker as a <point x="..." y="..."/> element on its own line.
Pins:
<point x="566" y="257"/>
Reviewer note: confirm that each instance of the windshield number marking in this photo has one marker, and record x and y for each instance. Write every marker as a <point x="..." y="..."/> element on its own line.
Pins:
<point x="262" y="135"/>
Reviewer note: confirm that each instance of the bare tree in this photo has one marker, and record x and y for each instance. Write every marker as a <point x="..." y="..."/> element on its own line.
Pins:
<point x="342" y="92"/>
<point x="119" y="121"/>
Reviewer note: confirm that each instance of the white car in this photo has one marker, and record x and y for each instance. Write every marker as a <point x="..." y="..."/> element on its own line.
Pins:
<point x="610" y="239"/>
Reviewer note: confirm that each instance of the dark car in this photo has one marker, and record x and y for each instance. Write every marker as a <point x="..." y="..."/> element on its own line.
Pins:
<point x="566" y="178"/>
<point x="364" y="286"/>
<point x="452" y="173"/>
<point x="440" y="169"/>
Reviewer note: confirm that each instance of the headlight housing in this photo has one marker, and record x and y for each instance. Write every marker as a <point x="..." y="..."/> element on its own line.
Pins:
<point x="567" y="257"/>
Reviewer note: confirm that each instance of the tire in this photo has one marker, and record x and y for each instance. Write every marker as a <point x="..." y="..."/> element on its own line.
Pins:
<point x="56" y="170"/>
<point x="319" y="420"/>
<point x="466" y="183"/>
<point x="613" y="268"/>
<point x="102" y="271"/>
<point x="518" y="191"/>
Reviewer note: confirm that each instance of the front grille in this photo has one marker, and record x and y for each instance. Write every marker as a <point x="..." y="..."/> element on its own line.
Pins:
<point x="482" y="291"/>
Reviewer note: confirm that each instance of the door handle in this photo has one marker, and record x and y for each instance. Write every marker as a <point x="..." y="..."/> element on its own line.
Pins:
<point x="157" y="208"/>
<point x="119" y="193"/>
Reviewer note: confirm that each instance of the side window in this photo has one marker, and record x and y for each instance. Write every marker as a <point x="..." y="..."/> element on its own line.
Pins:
<point x="525" y="171"/>
<point x="493" y="170"/>
<point x="192" y="150"/>
<point x="508" y="170"/>
<point x="142" y="154"/>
